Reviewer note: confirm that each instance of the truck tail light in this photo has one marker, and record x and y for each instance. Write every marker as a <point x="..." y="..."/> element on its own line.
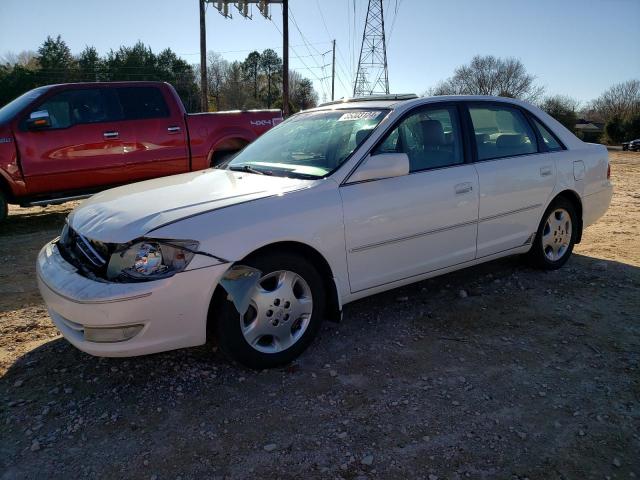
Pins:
<point x="608" y="171"/>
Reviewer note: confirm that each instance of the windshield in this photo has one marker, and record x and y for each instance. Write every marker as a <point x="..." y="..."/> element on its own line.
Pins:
<point x="14" y="106"/>
<point x="308" y="145"/>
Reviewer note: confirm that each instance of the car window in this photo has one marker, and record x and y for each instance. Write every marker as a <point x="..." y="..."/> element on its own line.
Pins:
<point x="75" y="107"/>
<point x="501" y="132"/>
<point x="9" y="111"/>
<point x="549" y="140"/>
<point x="430" y="137"/>
<point x="142" y="102"/>
<point x="310" y="144"/>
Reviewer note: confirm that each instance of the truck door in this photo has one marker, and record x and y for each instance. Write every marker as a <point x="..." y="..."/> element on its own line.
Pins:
<point x="77" y="150"/>
<point x="153" y="133"/>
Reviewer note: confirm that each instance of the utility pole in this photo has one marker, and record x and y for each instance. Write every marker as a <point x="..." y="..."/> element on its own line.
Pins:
<point x="333" y="72"/>
<point x="372" y="76"/>
<point x="285" y="58"/>
<point x="204" y="98"/>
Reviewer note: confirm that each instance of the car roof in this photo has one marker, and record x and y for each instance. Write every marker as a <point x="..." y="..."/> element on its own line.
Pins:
<point x="404" y="102"/>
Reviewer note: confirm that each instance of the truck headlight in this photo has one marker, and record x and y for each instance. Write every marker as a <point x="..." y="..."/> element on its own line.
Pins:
<point x="150" y="260"/>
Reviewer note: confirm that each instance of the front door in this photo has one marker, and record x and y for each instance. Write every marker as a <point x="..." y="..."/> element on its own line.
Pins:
<point x="76" y="151"/>
<point x="402" y="227"/>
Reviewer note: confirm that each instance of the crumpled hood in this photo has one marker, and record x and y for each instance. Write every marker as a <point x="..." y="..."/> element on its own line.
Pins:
<point x="125" y="213"/>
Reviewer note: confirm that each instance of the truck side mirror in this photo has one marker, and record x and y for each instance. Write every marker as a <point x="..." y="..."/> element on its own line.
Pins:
<point x="38" y="120"/>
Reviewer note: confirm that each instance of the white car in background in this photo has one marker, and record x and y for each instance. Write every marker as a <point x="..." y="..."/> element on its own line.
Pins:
<point x="337" y="203"/>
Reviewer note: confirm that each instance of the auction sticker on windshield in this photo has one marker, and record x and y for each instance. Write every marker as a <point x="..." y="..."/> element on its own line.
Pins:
<point x="358" y="116"/>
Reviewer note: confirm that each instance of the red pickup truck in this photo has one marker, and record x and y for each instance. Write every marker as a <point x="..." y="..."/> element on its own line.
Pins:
<point x="63" y="142"/>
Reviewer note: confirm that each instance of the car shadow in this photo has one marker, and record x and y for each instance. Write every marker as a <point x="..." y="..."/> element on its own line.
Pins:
<point x="60" y="356"/>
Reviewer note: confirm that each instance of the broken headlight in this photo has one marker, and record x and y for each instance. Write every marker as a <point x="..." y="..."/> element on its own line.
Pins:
<point x="150" y="260"/>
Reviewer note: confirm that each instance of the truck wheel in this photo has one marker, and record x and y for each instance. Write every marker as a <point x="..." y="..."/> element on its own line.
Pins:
<point x="556" y="235"/>
<point x="284" y="315"/>
<point x="4" y="208"/>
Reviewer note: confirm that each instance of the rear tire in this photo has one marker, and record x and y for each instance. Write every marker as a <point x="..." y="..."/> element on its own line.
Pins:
<point x="221" y="158"/>
<point x="4" y="207"/>
<point x="556" y="236"/>
<point x="284" y="317"/>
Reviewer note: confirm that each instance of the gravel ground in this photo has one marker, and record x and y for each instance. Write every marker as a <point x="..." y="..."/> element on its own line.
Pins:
<point x="498" y="371"/>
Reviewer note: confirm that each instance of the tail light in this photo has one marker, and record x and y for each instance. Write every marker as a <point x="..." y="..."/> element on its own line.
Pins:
<point x="608" y="171"/>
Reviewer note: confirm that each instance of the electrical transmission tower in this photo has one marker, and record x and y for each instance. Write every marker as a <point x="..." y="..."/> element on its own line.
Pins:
<point x="372" y="76"/>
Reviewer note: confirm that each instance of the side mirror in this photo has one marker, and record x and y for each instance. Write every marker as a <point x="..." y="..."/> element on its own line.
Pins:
<point x="38" y="120"/>
<point x="383" y="165"/>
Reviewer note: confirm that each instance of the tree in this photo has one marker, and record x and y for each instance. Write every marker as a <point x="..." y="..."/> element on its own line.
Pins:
<point x="217" y="73"/>
<point x="622" y="100"/>
<point x="632" y="128"/>
<point x="251" y="69"/>
<point x="89" y="65"/>
<point x="26" y="58"/>
<point x="563" y="109"/>
<point x="271" y="67"/>
<point x="131" y="63"/>
<point x="234" y="91"/>
<point x="304" y="96"/>
<point x="614" y="130"/>
<point x="489" y="75"/>
<point x="56" y="61"/>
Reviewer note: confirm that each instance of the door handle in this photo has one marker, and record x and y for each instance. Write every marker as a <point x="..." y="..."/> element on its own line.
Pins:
<point x="462" y="188"/>
<point x="545" y="171"/>
<point x="111" y="134"/>
<point x="173" y="129"/>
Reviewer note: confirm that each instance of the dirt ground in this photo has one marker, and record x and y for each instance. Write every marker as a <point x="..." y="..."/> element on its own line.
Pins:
<point x="532" y="375"/>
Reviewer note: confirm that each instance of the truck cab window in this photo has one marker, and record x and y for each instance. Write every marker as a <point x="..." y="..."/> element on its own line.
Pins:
<point x="75" y="107"/>
<point x="142" y="102"/>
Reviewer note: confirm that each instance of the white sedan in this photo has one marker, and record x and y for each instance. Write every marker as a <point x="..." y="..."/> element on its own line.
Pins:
<point x="336" y="203"/>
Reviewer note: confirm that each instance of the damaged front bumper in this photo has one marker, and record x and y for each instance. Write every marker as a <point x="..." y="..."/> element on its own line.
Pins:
<point x="127" y="319"/>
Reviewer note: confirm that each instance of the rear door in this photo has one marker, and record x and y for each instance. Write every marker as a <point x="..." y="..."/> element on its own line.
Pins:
<point x="517" y="174"/>
<point x="152" y="132"/>
<point x="76" y="152"/>
<point x="402" y="227"/>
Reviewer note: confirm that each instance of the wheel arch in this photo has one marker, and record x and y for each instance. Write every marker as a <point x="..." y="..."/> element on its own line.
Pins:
<point x="573" y="197"/>
<point x="230" y="144"/>
<point x="306" y="251"/>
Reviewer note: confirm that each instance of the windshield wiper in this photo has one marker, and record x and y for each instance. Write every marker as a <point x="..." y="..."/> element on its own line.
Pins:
<point x="302" y="176"/>
<point x="249" y="169"/>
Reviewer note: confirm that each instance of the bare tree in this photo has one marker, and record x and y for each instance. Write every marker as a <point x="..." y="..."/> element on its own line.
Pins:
<point x="217" y="74"/>
<point x="26" y="58"/>
<point x="489" y="75"/>
<point x="621" y="100"/>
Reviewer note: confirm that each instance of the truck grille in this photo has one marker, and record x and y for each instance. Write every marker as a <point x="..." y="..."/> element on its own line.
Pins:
<point x="90" y="257"/>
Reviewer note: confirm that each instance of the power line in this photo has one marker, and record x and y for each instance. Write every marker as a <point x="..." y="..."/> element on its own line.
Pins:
<point x="253" y="49"/>
<point x="307" y="44"/>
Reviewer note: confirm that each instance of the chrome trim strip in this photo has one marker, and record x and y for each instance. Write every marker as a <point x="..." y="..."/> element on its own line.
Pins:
<point x="511" y="212"/>
<point x="411" y="237"/>
<point x="92" y="302"/>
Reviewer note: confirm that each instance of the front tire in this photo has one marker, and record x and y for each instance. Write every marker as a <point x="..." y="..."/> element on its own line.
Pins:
<point x="283" y="318"/>
<point x="556" y="235"/>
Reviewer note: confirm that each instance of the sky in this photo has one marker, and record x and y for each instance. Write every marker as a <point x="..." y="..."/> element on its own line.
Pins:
<point x="577" y="48"/>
